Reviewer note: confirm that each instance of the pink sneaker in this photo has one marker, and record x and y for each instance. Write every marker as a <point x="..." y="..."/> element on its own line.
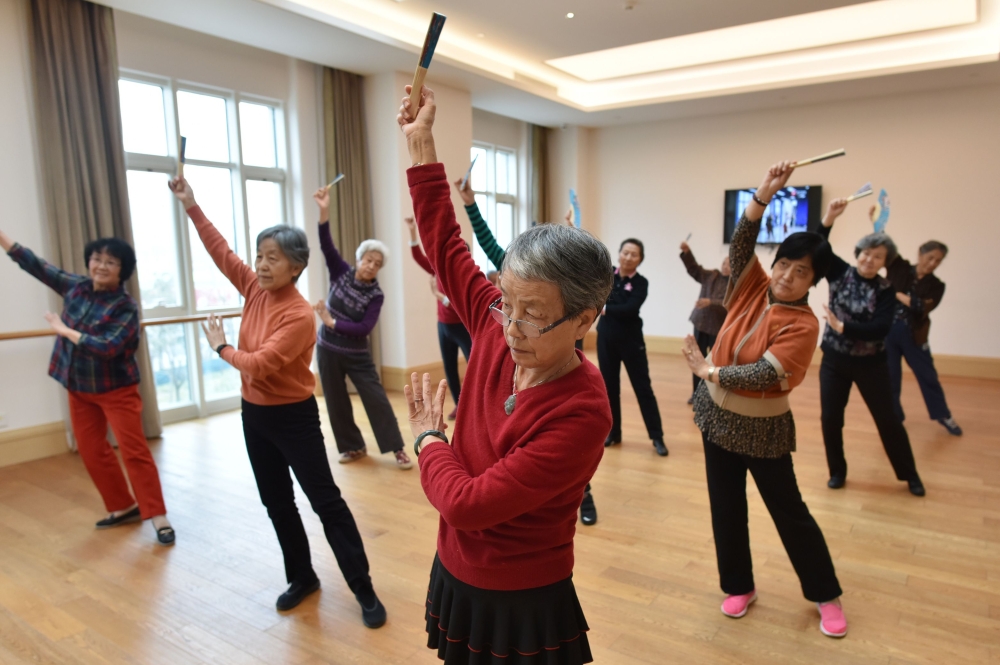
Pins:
<point x="736" y="606"/>
<point x="831" y="619"/>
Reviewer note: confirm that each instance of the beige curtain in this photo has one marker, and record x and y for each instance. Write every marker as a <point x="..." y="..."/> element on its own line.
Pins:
<point x="346" y="151"/>
<point x="539" y="168"/>
<point x="75" y="63"/>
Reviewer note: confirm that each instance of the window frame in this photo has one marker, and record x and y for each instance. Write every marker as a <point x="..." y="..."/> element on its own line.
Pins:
<point x="493" y="197"/>
<point x="240" y="173"/>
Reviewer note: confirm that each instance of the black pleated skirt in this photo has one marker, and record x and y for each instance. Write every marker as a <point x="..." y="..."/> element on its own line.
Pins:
<point x="472" y="626"/>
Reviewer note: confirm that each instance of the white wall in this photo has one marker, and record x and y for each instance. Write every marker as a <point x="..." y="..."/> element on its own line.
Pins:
<point x="409" y="315"/>
<point x="28" y="397"/>
<point x="937" y="154"/>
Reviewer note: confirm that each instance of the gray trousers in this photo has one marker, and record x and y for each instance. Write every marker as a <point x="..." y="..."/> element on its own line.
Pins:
<point x="333" y="369"/>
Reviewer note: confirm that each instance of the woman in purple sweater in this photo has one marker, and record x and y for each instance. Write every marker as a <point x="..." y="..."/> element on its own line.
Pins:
<point x="350" y="312"/>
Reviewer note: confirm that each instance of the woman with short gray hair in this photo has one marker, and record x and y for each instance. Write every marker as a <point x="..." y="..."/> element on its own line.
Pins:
<point x="859" y="316"/>
<point x="528" y="438"/>
<point x="349" y="313"/>
<point x="280" y="418"/>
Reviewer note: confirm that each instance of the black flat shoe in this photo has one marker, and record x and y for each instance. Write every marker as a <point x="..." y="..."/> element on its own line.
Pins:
<point x="661" y="448"/>
<point x="125" y="518"/>
<point x="950" y="425"/>
<point x="166" y="536"/>
<point x="916" y="487"/>
<point x="373" y="615"/>
<point x="836" y="482"/>
<point x="611" y="441"/>
<point x="297" y="592"/>
<point x="588" y="511"/>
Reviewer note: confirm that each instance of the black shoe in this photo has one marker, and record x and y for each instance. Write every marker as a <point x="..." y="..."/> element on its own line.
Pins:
<point x="166" y="536"/>
<point x="296" y="593"/>
<point x="836" y="482"/>
<point x="588" y="511"/>
<point x="372" y="609"/>
<point x="611" y="440"/>
<point x="950" y="425"/>
<point x="661" y="448"/>
<point x="916" y="487"/>
<point x="690" y="400"/>
<point x="125" y="518"/>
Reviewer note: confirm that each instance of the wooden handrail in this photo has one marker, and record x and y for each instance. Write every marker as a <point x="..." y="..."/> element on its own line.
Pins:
<point x="164" y="321"/>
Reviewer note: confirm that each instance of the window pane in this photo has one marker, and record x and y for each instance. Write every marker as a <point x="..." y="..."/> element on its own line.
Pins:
<point x="478" y="177"/>
<point x="213" y="187"/>
<point x="168" y="354"/>
<point x="505" y="224"/>
<point x="203" y="121"/>
<point x="503" y="182"/>
<point x="221" y="379"/>
<point x="154" y="232"/>
<point x="257" y="135"/>
<point x="144" y="127"/>
<point x="478" y="255"/>
<point x="263" y="208"/>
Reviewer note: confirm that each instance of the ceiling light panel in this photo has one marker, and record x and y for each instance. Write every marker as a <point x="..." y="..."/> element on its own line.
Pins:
<point x="868" y="20"/>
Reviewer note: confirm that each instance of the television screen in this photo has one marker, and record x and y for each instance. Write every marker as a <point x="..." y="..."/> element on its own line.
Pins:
<point x="792" y="209"/>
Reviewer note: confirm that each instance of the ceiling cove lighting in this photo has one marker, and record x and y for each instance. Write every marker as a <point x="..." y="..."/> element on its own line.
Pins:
<point x="867" y="20"/>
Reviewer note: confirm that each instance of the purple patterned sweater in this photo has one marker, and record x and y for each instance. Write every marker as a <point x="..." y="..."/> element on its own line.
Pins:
<point x="353" y="304"/>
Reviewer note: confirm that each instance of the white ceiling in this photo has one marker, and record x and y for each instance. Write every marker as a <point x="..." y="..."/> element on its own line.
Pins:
<point x="539" y="29"/>
<point x="263" y="25"/>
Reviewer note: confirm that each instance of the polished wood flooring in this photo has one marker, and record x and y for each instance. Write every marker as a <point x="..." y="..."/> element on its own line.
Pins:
<point x="921" y="576"/>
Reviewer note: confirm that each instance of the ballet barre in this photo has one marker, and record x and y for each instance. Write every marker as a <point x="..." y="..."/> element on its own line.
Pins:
<point x="163" y="321"/>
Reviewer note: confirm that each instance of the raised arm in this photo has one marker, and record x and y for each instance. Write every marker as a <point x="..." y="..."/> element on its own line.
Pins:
<point x="744" y="240"/>
<point x="335" y="263"/>
<point x="835" y="209"/>
<point x="418" y="254"/>
<point x="56" y="279"/>
<point x="494" y="252"/>
<point x="231" y="265"/>
<point x="460" y="277"/>
<point x="691" y="265"/>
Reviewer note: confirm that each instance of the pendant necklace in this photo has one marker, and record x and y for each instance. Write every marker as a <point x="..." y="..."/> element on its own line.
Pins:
<point x="511" y="402"/>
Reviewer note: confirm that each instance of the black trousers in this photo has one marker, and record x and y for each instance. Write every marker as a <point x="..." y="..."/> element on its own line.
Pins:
<point x="898" y="345"/>
<point x="451" y="338"/>
<point x="836" y="375"/>
<point x="705" y="342"/>
<point x="612" y="351"/>
<point x="333" y="369"/>
<point x="279" y="437"/>
<point x="799" y="533"/>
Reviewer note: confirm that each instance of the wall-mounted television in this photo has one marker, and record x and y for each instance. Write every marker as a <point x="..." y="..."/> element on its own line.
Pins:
<point x="792" y="209"/>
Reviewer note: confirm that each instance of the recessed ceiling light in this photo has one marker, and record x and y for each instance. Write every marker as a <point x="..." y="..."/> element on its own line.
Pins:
<point x="570" y="15"/>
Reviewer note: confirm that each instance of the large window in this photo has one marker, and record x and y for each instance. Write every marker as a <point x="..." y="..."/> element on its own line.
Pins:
<point x="235" y="164"/>
<point x="494" y="180"/>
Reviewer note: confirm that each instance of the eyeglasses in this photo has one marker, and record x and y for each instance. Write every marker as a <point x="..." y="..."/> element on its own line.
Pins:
<point x="527" y="328"/>
<point x="107" y="263"/>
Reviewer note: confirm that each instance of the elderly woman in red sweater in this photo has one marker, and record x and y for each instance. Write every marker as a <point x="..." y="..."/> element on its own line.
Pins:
<point x="534" y="416"/>
<point x="280" y="416"/>
<point x="762" y="352"/>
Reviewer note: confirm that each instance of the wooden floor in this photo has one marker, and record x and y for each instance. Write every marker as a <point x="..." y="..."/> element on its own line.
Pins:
<point x="921" y="576"/>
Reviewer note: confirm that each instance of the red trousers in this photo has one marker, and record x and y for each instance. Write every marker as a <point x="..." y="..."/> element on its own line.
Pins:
<point x="91" y="413"/>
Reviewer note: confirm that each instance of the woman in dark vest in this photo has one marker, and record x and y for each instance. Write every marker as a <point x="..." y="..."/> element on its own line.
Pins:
<point x="349" y="314"/>
<point x="708" y="313"/>
<point x="858" y="317"/>
<point x="619" y="340"/>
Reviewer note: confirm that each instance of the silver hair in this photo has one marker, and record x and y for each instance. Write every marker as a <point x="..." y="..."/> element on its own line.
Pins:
<point x="572" y="259"/>
<point x="292" y="242"/>
<point x="372" y="245"/>
<point x="873" y="240"/>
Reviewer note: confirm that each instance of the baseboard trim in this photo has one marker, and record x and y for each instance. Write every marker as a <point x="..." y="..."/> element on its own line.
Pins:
<point x="31" y="443"/>
<point x="973" y="367"/>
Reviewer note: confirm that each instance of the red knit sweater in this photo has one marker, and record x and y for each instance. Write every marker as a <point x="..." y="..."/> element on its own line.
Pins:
<point x="508" y="487"/>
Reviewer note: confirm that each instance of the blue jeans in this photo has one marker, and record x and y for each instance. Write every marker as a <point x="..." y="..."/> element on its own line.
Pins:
<point x="898" y="345"/>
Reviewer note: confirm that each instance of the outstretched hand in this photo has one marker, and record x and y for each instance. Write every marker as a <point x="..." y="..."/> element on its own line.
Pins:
<point x="834" y="210"/>
<point x="775" y="178"/>
<point x="322" y="198"/>
<point x="832" y="319"/>
<point x="415" y="120"/>
<point x="182" y="190"/>
<point x="426" y="409"/>
<point x="214" y="332"/>
<point x="695" y="360"/>
<point x="685" y="247"/>
<point x="324" y="314"/>
<point x="5" y="242"/>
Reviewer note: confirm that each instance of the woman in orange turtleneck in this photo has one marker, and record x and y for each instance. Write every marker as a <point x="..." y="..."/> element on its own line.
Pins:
<point x="280" y="416"/>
